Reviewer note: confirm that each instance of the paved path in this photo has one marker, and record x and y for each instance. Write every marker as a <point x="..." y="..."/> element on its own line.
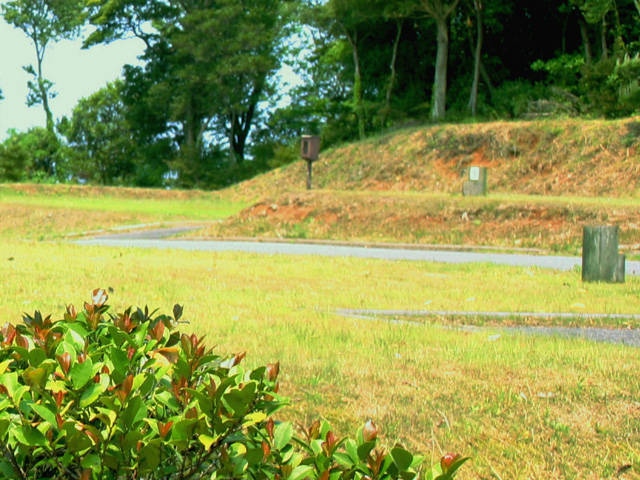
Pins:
<point x="158" y="239"/>
<point x="155" y="239"/>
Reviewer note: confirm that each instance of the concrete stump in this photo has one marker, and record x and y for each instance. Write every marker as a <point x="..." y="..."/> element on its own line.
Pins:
<point x="601" y="261"/>
<point x="476" y="184"/>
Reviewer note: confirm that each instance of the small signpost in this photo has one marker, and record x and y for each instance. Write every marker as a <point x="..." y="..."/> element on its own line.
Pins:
<point x="309" y="150"/>
<point x="601" y="261"/>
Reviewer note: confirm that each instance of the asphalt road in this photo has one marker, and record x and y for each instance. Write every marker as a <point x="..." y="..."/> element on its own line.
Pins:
<point x="157" y="239"/>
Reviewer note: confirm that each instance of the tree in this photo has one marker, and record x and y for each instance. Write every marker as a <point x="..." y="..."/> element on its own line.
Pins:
<point x="228" y="71"/>
<point x="43" y="22"/>
<point x="100" y="138"/>
<point x="477" y="56"/>
<point x="350" y="17"/>
<point x="35" y="155"/>
<point x="440" y="11"/>
<point x="208" y="67"/>
<point x="394" y="12"/>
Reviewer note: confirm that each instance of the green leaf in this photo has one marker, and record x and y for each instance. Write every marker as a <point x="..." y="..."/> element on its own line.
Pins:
<point x="27" y="435"/>
<point x="120" y="361"/>
<point x="207" y="440"/>
<point x="254" y="456"/>
<point x="6" y="469"/>
<point x="135" y="411"/>
<point x="44" y="413"/>
<point x="166" y="399"/>
<point x="37" y="356"/>
<point x="10" y="381"/>
<point x="92" y="462"/>
<point x="81" y="373"/>
<point x="76" y="335"/>
<point x="301" y="471"/>
<point x="316" y="446"/>
<point x="4" y="365"/>
<point x="282" y="435"/>
<point x="131" y="440"/>
<point x="76" y="440"/>
<point x="343" y="460"/>
<point x="19" y="392"/>
<point x="93" y="392"/>
<point x="106" y="416"/>
<point x="239" y="400"/>
<point x="36" y="377"/>
<point x="351" y="448"/>
<point x="183" y="430"/>
<point x="254" y="418"/>
<point x="149" y="457"/>
<point x="205" y="402"/>
<point x="364" y="449"/>
<point x="5" y="424"/>
<point x="147" y="385"/>
<point x="402" y="458"/>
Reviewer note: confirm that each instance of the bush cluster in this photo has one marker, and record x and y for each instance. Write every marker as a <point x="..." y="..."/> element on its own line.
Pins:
<point x="97" y="395"/>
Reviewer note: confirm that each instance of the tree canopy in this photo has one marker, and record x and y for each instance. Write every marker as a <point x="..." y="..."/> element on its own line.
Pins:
<point x="205" y="108"/>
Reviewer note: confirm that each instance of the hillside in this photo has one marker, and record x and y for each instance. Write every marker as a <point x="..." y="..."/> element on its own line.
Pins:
<point x="547" y="178"/>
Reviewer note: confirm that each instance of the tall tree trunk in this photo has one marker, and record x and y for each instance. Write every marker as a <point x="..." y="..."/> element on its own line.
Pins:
<point x="603" y="39"/>
<point x="240" y="124"/>
<point x="584" y="34"/>
<point x="189" y="150"/>
<point x="477" y="58"/>
<point x="438" y="108"/>
<point x="440" y="11"/>
<point x="240" y="127"/>
<point x="236" y="145"/>
<point x="358" y="103"/>
<point x="487" y="79"/>
<point x="392" y="73"/>
<point x="41" y="88"/>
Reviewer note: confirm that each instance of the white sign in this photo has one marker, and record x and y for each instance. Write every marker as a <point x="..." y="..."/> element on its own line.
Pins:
<point x="474" y="174"/>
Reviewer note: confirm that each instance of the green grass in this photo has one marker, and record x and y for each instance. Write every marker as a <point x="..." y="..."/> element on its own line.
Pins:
<point x="521" y="406"/>
<point x="192" y="207"/>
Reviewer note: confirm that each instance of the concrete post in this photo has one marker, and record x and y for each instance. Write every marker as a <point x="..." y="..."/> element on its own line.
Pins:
<point x="601" y="261"/>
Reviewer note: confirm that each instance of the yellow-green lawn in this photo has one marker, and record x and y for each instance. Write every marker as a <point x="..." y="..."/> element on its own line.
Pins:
<point x="522" y="406"/>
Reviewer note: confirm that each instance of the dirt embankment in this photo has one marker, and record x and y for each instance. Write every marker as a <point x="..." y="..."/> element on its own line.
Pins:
<point x="406" y="187"/>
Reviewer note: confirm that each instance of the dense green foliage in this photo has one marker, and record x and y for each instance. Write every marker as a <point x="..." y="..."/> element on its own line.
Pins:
<point x="205" y="109"/>
<point x="97" y="395"/>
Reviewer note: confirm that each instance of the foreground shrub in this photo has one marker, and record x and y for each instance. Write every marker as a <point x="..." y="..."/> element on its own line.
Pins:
<point x="97" y="395"/>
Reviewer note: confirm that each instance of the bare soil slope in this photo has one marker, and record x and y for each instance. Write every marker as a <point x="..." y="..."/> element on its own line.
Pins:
<point x="546" y="180"/>
<point x="552" y="157"/>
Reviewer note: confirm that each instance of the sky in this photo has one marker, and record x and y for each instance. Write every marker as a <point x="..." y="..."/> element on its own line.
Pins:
<point x="76" y="74"/>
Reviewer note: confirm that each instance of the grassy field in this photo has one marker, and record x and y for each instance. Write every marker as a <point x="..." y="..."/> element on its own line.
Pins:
<point x="522" y="406"/>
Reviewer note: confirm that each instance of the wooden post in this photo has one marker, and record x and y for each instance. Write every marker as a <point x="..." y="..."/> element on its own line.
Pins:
<point x="601" y="261"/>
<point x="309" y="169"/>
<point x="309" y="150"/>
